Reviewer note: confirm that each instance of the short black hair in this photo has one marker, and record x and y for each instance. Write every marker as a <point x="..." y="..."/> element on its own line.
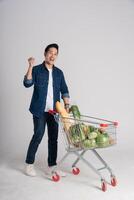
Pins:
<point x="54" y="45"/>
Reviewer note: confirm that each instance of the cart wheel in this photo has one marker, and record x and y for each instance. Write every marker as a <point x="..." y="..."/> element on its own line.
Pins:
<point x="103" y="186"/>
<point x="113" y="181"/>
<point x="55" y="177"/>
<point x="76" y="171"/>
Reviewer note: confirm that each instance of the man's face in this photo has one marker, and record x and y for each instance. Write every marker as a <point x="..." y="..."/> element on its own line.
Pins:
<point x="51" y="56"/>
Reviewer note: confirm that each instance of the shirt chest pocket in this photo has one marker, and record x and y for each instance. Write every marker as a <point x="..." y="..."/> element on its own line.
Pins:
<point x="41" y="81"/>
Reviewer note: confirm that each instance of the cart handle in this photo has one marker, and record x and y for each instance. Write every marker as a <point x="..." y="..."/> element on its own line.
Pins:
<point x="52" y="112"/>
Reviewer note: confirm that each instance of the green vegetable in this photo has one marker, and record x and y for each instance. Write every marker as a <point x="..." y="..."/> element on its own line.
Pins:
<point x="102" y="140"/>
<point x="77" y="133"/>
<point x="92" y="135"/>
<point x="89" y="143"/>
<point x="75" y="139"/>
<point x="92" y="128"/>
<point x="75" y="111"/>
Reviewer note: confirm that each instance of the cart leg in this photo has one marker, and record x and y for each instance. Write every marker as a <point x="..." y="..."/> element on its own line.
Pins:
<point x="103" y="182"/>
<point x="79" y="157"/>
<point x="113" y="178"/>
<point x="105" y="164"/>
<point x="89" y="164"/>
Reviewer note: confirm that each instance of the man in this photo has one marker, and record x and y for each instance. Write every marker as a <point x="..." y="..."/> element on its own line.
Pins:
<point x="49" y="84"/>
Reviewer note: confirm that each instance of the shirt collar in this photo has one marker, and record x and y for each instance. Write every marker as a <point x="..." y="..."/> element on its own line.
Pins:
<point x="44" y="66"/>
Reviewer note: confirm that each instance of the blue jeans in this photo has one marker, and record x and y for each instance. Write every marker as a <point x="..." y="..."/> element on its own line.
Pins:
<point x="39" y="129"/>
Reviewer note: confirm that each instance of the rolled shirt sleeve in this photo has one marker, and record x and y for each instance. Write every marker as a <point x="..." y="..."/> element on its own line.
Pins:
<point x="28" y="82"/>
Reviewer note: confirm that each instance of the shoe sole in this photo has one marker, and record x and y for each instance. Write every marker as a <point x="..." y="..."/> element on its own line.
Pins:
<point x="30" y="174"/>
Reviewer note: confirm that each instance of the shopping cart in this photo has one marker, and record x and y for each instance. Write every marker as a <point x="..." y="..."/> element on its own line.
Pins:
<point x="84" y="134"/>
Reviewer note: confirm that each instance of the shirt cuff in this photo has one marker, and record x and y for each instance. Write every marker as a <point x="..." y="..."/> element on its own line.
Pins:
<point x="28" y="81"/>
<point x="66" y="95"/>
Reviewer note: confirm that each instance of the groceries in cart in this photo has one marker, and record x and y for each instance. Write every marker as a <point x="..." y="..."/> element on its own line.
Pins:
<point x="84" y="131"/>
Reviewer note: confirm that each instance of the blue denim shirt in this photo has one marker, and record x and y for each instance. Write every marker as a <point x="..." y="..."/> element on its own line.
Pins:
<point x="40" y="76"/>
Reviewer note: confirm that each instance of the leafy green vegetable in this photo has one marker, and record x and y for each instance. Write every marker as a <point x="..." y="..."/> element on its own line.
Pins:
<point x="89" y="143"/>
<point x="75" y="111"/>
<point x="92" y="135"/>
<point x="77" y="132"/>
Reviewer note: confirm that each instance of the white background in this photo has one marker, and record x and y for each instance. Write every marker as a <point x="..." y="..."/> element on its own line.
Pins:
<point x="96" y="54"/>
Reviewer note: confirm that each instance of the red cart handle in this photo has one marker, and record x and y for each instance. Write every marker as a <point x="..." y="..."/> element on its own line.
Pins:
<point x="52" y="112"/>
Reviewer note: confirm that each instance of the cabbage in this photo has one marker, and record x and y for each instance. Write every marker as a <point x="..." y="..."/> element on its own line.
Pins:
<point x="89" y="143"/>
<point x="92" y="135"/>
<point x="102" y="140"/>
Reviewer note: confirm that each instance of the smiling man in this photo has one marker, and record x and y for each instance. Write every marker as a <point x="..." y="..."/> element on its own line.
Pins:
<point x="49" y="86"/>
